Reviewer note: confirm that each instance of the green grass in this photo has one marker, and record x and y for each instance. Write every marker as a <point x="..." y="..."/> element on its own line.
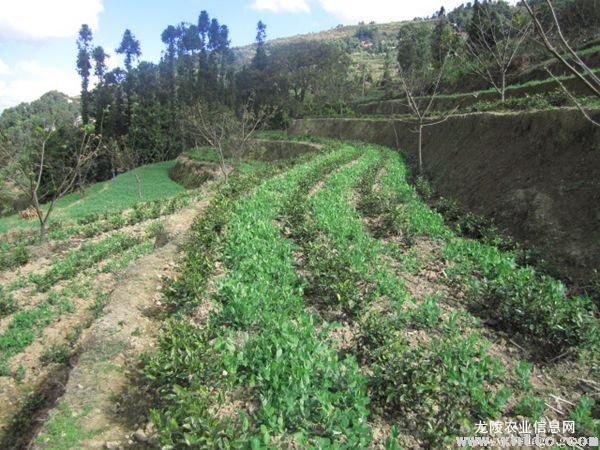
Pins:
<point x="63" y="431"/>
<point x="113" y="195"/>
<point x="209" y="154"/>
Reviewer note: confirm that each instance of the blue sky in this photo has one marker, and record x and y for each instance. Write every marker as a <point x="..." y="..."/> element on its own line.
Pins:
<point x="37" y="37"/>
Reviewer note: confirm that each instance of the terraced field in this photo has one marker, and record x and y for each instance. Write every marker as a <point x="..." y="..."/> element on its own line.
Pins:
<point x="329" y="307"/>
<point x="316" y="303"/>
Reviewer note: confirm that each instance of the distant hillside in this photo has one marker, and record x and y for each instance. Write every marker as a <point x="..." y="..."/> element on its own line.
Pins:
<point x="362" y="41"/>
<point x="51" y="108"/>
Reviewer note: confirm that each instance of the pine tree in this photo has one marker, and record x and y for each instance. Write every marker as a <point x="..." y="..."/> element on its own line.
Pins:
<point x="84" y="66"/>
<point x="260" y="58"/>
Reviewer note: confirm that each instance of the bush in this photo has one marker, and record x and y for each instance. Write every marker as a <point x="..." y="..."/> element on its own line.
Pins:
<point x="8" y="305"/>
<point x="448" y="384"/>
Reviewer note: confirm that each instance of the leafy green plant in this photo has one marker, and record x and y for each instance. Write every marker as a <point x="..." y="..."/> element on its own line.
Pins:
<point x="447" y="384"/>
<point x="8" y="304"/>
<point x="77" y="260"/>
<point x="13" y="257"/>
<point x="585" y="416"/>
<point x="530" y="406"/>
<point x="426" y="315"/>
<point x="58" y="354"/>
<point x="523" y="373"/>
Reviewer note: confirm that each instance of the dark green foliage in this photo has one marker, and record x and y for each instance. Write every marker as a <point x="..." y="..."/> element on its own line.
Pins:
<point x="530" y="406"/>
<point x="8" y="304"/>
<point x="524" y="300"/>
<point x="57" y="354"/>
<point x="585" y="416"/>
<point x="413" y="56"/>
<point x="260" y="60"/>
<point x="366" y="33"/>
<point x="537" y="305"/>
<point x="130" y="48"/>
<point x="12" y="257"/>
<point x="446" y="384"/>
<point x="443" y="40"/>
<point x="84" y="67"/>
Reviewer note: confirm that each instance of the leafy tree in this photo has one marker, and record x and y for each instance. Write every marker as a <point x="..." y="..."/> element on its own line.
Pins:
<point x="203" y="27"/>
<point x="99" y="56"/>
<point x="460" y="17"/>
<point x="442" y="39"/>
<point x="413" y="52"/>
<point x="130" y="47"/>
<point x="84" y="42"/>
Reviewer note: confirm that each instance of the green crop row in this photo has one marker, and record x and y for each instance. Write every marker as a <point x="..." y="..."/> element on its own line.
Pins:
<point x="13" y="257"/>
<point x="346" y="270"/>
<point x="523" y="300"/>
<point x="299" y="385"/>
<point x="184" y="353"/>
<point x="15" y="253"/>
<point x="450" y="364"/>
<point x="75" y="261"/>
<point x="26" y="325"/>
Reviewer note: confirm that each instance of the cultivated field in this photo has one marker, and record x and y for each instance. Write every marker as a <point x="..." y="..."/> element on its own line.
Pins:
<point x="315" y="304"/>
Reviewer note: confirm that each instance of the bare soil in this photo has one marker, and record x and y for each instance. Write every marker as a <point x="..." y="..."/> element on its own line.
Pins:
<point x="100" y="390"/>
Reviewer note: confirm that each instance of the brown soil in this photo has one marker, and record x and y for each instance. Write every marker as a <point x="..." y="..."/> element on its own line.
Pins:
<point x="99" y="389"/>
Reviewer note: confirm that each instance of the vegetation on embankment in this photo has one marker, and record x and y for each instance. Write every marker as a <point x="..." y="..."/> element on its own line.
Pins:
<point x="535" y="174"/>
<point x="533" y="94"/>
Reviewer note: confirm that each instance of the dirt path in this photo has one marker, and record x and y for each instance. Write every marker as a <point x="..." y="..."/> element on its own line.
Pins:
<point x="100" y="394"/>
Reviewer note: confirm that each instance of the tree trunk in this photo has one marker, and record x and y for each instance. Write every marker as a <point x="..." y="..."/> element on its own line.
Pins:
<point x="43" y="231"/>
<point x="420" y="147"/>
<point x="139" y="185"/>
<point x="503" y="87"/>
<point x="222" y="164"/>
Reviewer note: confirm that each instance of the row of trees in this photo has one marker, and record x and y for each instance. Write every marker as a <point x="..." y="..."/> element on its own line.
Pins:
<point x="195" y="96"/>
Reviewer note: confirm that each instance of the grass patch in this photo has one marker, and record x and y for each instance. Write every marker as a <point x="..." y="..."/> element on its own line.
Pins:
<point x="63" y="430"/>
<point x="117" y="194"/>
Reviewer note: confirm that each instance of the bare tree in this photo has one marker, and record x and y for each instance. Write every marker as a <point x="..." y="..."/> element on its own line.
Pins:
<point x="493" y="45"/>
<point x="44" y="177"/>
<point x="573" y="62"/>
<point x="421" y="88"/>
<point x="225" y="131"/>
<point x="125" y="158"/>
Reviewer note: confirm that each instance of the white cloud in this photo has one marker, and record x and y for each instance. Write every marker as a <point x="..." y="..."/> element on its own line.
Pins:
<point x="281" y="5"/>
<point x="30" y="80"/>
<point x="40" y="19"/>
<point x="4" y="69"/>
